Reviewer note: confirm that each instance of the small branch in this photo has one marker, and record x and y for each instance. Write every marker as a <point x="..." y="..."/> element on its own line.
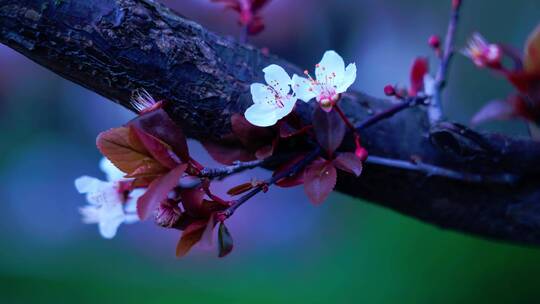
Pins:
<point x="301" y="164"/>
<point x="411" y="102"/>
<point x="237" y="167"/>
<point x="435" y="109"/>
<point x="431" y="170"/>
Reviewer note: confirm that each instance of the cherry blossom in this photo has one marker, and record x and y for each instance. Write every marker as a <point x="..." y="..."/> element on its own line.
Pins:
<point x="332" y="79"/>
<point x="111" y="202"/>
<point x="271" y="102"/>
<point x="483" y="53"/>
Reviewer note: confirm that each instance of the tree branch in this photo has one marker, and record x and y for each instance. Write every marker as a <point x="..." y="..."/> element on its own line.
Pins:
<point x="113" y="47"/>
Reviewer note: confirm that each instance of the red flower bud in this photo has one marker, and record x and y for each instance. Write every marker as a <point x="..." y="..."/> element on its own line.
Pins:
<point x="361" y="153"/>
<point x="389" y="90"/>
<point x="434" y="41"/>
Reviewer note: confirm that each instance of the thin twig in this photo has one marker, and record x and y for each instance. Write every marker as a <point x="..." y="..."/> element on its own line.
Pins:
<point x="301" y="164"/>
<point x="435" y="109"/>
<point x="431" y="170"/>
<point x="236" y="167"/>
<point x="411" y="102"/>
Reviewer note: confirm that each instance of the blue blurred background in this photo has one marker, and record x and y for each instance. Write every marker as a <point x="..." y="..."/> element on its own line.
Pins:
<point x="346" y="251"/>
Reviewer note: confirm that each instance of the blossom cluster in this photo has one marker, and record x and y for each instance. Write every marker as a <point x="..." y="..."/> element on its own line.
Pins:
<point x="277" y="98"/>
<point x="524" y="75"/>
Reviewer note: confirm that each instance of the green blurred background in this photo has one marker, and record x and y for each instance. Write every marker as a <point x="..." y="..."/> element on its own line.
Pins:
<point x="287" y="251"/>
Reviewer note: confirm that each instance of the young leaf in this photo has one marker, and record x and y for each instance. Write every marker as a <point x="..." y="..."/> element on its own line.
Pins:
<point x="349" y="162"/>
<point x="159" y="150"/>
<point x="227" y="153"/>
<point x="319" y="180"/>
<point x="419" y="69"/>
<point x="225" y="240"/>
<point x="329" y="129"/>
<point x="192" y="201"/>
<point x="291" y="181"/>
<point x="242" y="188"/>
<point x="252" y="137"/>
<point x="158" y="124"/>
<point x="126" y="151"/>
<point x="532" y="52"/>
<point x="158" y="191"/>
<point x="191" y="236"/>
<point x="207" y="238"/>
<point x="497" y="110"/>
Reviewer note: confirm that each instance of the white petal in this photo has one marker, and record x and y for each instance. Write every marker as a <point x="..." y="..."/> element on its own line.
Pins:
<point x="107" y="194"/>
<point x="262" y="94"/>
<point x="131" y="218"/>
<point x="331" y="69"/>
<point x="261" y="115"/>
<point x="85" y="184"/>
<point x="303" y="88"/>
<point x="288" y="106"/>
<point x="90" y="214"/>
<point x="348" y="79"/>
<point x="108" y="229"/>
<point x="111" y="216"/>
<point x="112" y="173"/>
<point x="131" y="204"/>
<point x="277" y="78"/>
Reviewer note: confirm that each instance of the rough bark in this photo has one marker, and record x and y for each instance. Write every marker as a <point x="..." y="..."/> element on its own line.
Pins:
<point x="113" y="47"/>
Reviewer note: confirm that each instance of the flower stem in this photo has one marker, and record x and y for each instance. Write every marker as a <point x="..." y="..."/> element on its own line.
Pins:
<point x="414" y="101"/>
<point x="346" y="120"/>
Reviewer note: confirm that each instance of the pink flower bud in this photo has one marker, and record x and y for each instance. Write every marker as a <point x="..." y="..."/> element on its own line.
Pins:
<point x="389" y="90"/>
<point x="434" y="41"/>
<point x="167" y="214"/>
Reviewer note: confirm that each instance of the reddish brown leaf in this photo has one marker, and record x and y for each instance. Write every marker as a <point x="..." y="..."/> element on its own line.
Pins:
<point x="227" y="153"/>
<point x="207" y="238"/>
<point x="158" y="124"/>
<point x="159" y="150"/>
<point x="225" y="240"/>
<point x="158" y="191"/>
<point x="126" y="152"/>
<point x="329" y="129"/>
<point x="192" y="200"/>
<point x="242" y="188"/>
<point x="251" y="137"/>
<point x="496" y="110"/>
<point x="419" y="69"/>
<point x="349" y="162"/>
<point x="294" y="180"/>
<point x="319" y="180"/>
<point x="532" y="52"/>
<point x="191" y="236"/>
<point x="148" y="170"/>
<point x="265" y="152"/>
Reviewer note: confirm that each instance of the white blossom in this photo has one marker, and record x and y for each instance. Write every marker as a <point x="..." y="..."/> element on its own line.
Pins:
<point x="332" y="79"/>
<point x="271" y="102"/>
<point x="111" y="202"/>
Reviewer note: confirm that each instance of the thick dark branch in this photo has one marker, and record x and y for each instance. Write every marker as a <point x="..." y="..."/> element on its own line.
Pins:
<point x="116" y="46"/>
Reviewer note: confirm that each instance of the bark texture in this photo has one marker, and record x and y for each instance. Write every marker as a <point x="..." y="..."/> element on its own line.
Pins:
<point x="113" y="47"/>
